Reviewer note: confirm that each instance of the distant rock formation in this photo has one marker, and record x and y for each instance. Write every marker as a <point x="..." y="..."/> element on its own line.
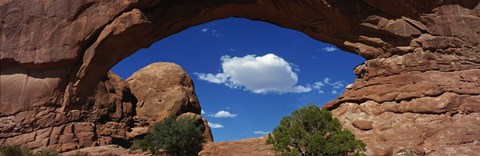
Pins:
<point x="422" y="65"/>
<point x="244" y="147"/>
<point x="108" y="150"/>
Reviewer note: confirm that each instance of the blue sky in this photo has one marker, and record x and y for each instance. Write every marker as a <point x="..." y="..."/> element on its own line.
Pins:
<point x="250" y="74"/>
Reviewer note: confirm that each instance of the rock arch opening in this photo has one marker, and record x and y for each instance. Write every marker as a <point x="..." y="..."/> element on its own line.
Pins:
<point x="55" y="54"/>
<point x="247" y="74"/>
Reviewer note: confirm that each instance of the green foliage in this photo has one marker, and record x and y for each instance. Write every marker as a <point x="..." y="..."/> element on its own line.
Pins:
<point x="23" y="151"/>
<point x="176" y="136"/>
<point x="311" y="131"/>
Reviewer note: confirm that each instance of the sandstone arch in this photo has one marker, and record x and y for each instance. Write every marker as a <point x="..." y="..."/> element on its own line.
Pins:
<point x="55" y="52"/>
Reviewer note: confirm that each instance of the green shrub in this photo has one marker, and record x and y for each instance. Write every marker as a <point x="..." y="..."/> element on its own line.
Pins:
<point x="311" y="131"/>
<point x="23" y="151"/>
<point x="176" y="136"/>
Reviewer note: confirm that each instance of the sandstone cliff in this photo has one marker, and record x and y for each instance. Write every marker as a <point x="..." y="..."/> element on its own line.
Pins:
<point x="110" y="114"/>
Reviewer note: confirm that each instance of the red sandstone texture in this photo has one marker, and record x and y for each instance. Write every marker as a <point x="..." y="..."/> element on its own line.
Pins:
<point x="419" y="86"/>
<point x="245" y="147"/>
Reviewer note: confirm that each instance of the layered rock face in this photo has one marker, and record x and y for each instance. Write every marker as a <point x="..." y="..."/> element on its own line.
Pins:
<point x="103" y="120"/>
<point x="110" y="115"/>
<point x="422" y="61"/>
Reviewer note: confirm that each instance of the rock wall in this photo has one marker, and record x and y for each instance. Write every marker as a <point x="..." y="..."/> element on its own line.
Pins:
<point x="419" y="54"/>
<point x="110" y="115"/>
<point x="103" y="120"/>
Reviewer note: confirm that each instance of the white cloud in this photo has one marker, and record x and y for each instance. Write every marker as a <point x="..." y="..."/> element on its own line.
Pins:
<point x="223" y="114"/>
<point x="337" y="85"/>
<point x="326" y="82"/>
<point x="330" y="49"/>
<point x="202" y="112"/>
<point x="318" y="85"/>
<point x="260" y="132"/>
<point x="217" y="79"/>
<point x="257" y="74"/>
<point x="204" y="30"/>
<point x="214" y="125"/>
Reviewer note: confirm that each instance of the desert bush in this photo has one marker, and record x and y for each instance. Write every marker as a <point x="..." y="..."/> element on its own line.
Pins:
<point x="176" y="136"/>
<point x="311" y="131"/>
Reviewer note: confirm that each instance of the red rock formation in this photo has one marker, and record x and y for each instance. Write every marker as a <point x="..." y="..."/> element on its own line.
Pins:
<point x="422" y="59"/>
<point x="109" y="150"/>
<point x="245" y="147"/>
<point x="104" y="119"/>
<point x="163" y="89"/>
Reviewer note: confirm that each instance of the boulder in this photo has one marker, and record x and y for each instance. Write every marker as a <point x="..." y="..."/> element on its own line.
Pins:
<point x="163" y="89"/>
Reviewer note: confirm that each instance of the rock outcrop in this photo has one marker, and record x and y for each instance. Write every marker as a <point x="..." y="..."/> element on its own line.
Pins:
<point x="103" y="120"/>
<point x="108" y="117"/>
<point x="422" y="59"/>
<point x="395" y="131"/>
<point x="163" y="89"/>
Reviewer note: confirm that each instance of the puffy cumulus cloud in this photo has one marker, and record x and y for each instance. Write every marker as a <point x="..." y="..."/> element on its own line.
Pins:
<point x="223" y="114"/>
<point x="258" y="74"/>
<point x="202" y="112"/>
<point x="214" y="125"/>
<point x="330" y="49"/>
<point x="260" y="132"/>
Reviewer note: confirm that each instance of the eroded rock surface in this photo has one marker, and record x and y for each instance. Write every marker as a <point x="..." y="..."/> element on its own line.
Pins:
<point x="109" y="150"/>
<point x="103" y="120"/>
<point x="162" y="89"/>
<point x="396" y="130"/>
<point x="245" y="147"/>
<point x="418" y="54"/>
